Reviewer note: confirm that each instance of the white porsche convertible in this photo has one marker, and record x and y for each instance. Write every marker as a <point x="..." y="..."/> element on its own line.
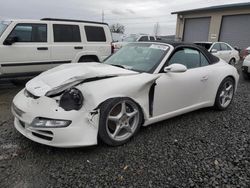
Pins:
<point x="143" y="83"/>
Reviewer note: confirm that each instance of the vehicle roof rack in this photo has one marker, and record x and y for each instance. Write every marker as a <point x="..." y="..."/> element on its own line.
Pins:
<point x="69" y="20"/>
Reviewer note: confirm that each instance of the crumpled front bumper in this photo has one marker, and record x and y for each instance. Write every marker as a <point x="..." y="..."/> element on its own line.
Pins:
<point x="82" y="131"/>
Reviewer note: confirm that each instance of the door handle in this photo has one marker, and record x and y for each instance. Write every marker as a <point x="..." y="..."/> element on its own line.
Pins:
<point x="42" y="48"/>
<point x="204" y="78"/>
<point x="78" y="47"/>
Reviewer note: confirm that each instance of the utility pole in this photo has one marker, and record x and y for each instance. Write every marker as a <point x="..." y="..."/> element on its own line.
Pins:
<point x="156" y="29"/>
<point x="102" y="16"/>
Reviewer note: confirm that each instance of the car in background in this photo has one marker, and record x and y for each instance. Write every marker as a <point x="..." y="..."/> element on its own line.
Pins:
<point x="76" y="104"/>
<point x="246" y="67"/>
<point x="29" y="47"/>
<point x="245" y="52"/>
<point x="222" y="50"/>
<point x="133" y="38"/>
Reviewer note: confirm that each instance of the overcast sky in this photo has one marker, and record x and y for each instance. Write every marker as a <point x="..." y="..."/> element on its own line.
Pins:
<point x="138" y="16"/>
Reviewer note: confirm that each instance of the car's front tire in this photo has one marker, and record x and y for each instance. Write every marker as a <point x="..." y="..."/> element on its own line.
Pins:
<point x="120" y="120"/>
<point x="225" y="94"/>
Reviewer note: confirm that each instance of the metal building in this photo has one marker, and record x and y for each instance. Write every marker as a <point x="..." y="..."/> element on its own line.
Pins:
<point x="227" y="23"/>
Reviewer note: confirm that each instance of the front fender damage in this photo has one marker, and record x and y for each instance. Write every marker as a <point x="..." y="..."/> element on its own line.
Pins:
<point x="137" y="87"/>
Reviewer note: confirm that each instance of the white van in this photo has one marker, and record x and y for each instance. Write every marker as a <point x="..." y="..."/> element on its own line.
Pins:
<point x="28" y="47"/>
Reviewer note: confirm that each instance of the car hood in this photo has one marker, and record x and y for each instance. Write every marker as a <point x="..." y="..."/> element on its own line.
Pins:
<point x="62" y="77"/>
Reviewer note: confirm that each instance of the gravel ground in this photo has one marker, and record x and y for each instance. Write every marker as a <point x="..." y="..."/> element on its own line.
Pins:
<point x="205" y="148"/>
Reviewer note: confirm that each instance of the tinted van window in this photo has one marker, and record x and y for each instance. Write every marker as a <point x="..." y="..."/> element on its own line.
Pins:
<point x="95" y="34"/>
<point x="30" y="33"/>
<point x="66" y="33"/>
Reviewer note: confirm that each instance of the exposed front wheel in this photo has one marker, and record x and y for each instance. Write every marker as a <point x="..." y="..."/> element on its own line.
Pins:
<point x="120" y="119"/>
<point x="225" y="94"/>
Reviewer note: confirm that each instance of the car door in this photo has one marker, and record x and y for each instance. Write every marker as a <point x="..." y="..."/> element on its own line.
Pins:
<point x="226" y="52"/>
<point x="216" y="50"/>
<point x="66" y="42"/>
<point x="176" y="92"/>
<point x="29" y="52"/>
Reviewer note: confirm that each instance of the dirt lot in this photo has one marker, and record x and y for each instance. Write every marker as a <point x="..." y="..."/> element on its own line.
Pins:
<point x="205" y="148"/>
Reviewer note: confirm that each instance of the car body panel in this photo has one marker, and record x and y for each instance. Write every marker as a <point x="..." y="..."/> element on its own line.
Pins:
<point x="174" y="94"/>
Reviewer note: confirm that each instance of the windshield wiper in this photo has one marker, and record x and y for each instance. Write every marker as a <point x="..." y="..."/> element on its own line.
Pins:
<point x="121" y="66"/>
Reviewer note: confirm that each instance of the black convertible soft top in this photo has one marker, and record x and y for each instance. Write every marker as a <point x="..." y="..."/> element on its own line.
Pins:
<point x="211" y="58"/>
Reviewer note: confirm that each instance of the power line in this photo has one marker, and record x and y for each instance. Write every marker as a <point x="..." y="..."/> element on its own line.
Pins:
<point x="152" y="17"/>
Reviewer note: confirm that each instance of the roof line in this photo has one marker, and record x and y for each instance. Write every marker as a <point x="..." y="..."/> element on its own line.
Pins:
<point x="218" y="7"/>
<point x="69" y="20"/>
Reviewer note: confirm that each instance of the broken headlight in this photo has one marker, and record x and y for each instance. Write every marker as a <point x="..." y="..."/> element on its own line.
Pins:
<point x="72" y="99"/>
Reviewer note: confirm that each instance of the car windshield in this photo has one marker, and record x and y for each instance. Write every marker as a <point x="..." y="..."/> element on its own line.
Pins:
<point x="3" y="26"/>
<point x="205" y="45"/>
<point x="130" y="39"/>
<point x="140" y="57"/>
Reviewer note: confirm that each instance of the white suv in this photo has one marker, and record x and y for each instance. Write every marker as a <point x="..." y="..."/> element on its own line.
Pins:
<point x="28" y="47"/>
<point x="222" y="50"/>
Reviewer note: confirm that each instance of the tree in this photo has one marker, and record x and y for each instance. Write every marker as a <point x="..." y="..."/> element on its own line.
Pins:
<point x="117" y="28"/>
<point x="157" y="29"/>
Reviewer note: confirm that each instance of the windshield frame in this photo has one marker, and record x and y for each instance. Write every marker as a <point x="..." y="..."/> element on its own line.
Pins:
<point x="157" y="64"/>
<point x="5" y="25"/>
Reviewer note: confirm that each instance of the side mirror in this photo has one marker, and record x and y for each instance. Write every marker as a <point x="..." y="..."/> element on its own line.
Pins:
<point x="10" y="40"/>
<point x="214" y="51"/>
<point x="175" y="68"/>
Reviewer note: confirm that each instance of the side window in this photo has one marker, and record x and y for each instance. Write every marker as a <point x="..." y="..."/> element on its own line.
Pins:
<point x="95" y="34"/>
<point x="228" y="47"/>
<point x="217" y="47"/>
<point x="144" y="38"/>
<point x="204" y="61"/>
<point x="30" y="33"/>
<point x="186" y="56"/>
<point x="152" y="38"/>
<point x="225" y="47"/>
<point x="66" y="33"/>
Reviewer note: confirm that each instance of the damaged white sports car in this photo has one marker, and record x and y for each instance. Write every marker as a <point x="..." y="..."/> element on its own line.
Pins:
<point x="143" y="83"/>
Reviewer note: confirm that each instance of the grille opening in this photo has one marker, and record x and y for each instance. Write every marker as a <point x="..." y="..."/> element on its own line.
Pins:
<point x="46" y="132"/>
<point x="42" y="136"/>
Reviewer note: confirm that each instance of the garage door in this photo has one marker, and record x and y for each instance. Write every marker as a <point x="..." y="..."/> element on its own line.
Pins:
<point x="196" y="29"/>
<point x="235" y="30"/>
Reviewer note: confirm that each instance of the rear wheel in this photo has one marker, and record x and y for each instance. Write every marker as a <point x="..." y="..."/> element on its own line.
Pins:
<point x="120" y="119"/>
<point x="225" y="94"/>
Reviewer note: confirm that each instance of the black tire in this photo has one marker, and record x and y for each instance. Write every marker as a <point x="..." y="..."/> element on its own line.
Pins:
<point x="105" y="110"/>
<point x="19" y="82"/>
<point x="246" y="76"/>
<point x="217" y="104"/>
<point x="88" y="59"/>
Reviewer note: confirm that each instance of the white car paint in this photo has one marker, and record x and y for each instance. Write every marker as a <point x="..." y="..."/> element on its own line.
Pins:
<point x="175" y="94"/>
<point x="225" y="54"/>
<point x="24" y="58"/>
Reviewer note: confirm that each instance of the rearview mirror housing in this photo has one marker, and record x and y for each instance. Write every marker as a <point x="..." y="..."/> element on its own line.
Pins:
<point x="175" y="68"/>
<point x="214" y="51"/>
<point x="10" y="40"/>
